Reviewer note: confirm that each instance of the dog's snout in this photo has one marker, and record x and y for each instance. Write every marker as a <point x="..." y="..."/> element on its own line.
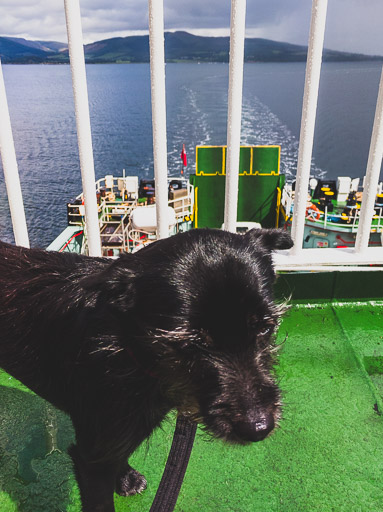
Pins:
<point x="255" y="429"/>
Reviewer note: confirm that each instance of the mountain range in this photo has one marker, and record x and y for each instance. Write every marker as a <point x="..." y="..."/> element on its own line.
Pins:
<point x="179" y="47"/>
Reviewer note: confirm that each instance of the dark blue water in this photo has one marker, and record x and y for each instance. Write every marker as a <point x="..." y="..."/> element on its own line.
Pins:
<point x="41" y="107"/>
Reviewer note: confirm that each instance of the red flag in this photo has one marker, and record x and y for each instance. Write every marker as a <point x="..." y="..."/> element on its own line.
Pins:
<point x="183" y="156"/>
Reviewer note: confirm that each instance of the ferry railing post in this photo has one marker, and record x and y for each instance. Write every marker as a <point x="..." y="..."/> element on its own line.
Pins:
<point x="84" y="135"/>
<point x="237" y="42"/>
<point x="157" y="79"/>
<point x="11" y="172"/>
<point x="310" y="100"/>
<point x="372" y="176"/>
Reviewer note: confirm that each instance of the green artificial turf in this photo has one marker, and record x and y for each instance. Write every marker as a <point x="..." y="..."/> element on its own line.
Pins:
<point x="327" y="454"/>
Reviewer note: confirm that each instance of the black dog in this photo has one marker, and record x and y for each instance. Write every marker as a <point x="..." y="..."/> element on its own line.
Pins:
<point x="185" y="323"/>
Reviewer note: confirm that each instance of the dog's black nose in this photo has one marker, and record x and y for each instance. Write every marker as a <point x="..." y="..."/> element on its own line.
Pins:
<point x="255" y="429"/>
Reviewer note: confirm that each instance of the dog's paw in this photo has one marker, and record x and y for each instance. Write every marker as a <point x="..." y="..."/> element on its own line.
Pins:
<point x="131" y="482"/>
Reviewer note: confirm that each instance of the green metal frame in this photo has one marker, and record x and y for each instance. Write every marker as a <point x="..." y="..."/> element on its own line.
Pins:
<point x="324" y="287"/>
<point x="259" y="185"/>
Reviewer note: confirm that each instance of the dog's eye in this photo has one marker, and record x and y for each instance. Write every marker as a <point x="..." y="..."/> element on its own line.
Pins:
<point x="260" y="327"/>
<point x="265" y="330"/>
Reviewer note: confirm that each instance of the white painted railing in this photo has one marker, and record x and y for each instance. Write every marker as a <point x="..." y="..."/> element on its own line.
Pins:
<point x="360" y="257"/>
<point x="237" y="42"/>
<point x="310" y="99"/>
<point x="11" y="172"/>
<point x="372" y="175"/>
<point x="84" y="136"/>
<point x="157" y="74"/>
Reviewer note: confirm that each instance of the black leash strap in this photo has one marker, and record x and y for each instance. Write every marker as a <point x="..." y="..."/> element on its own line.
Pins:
<point x="174" y="472"/>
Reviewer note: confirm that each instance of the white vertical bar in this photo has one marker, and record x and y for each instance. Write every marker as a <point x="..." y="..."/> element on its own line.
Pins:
<point x="372" y="175"/>
<point x="11" y="173"/>
<point x="84" y="136"/>
<point x="237" y="42"/>
<point x="157" y="76"/>
<point x="310" y="100"/>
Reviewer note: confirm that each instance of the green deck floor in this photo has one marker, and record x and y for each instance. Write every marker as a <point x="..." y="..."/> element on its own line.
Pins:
<point x="327" y="454"/>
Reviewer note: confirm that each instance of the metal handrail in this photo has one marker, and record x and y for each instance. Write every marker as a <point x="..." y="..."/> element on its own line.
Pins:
<point x="309" y="108"/>
<point x="11" y="172"/>
<point x="331" y="217"/>
<point x="80" y="93"/>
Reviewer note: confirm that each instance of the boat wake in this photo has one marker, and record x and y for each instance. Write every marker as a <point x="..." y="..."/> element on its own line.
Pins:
<point x="196" y="121"/>
<point x="189" y="126"/>
<point x="260" y="126"/>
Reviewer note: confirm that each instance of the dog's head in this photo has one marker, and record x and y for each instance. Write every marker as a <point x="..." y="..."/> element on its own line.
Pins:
<point x="217" y="295"/>
<point x="205" y="300"/>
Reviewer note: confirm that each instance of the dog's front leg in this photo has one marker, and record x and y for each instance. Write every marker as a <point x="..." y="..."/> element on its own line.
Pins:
<point x="104" y="445"/>
<point x="96" y="482"/>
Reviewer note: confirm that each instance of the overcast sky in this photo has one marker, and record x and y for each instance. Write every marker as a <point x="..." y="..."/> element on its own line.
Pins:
<point x="352" y="25"/>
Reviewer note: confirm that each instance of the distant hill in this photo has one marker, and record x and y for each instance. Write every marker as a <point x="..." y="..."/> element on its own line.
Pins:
<point x="19" y="50"/>
<point x="179" y="47"/>
<point x="15" y="51"/>
<point x="47" y="46"/>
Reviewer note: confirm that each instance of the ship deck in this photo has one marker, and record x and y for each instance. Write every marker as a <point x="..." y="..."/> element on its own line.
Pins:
<point x="326" y="455"/>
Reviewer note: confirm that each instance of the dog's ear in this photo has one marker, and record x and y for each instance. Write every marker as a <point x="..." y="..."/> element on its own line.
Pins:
<point x="271" y="239"/>
<point x="113" y="286"/>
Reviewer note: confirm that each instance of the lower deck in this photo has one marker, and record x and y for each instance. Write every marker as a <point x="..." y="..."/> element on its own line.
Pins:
<point x="327" y="454"/>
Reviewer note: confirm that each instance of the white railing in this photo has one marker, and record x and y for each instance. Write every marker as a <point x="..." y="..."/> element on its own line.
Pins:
<point x="116" y="231"/>
<point x="345" y="218"/>
<point x="372" y="175"/>
<point x="11" y="173"/>
<point x="237" y="42"/>
<point x="310" y="99"/>
<point x="297" y="258"/>
<point x="157" y="78"/>
<point x="80" y="93"/>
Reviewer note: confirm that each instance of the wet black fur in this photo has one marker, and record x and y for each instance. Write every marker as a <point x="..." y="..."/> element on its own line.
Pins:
<point x="185" y="323"/>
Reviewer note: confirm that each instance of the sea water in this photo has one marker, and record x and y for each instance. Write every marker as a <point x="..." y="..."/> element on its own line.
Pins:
<point x="42" y="114"/>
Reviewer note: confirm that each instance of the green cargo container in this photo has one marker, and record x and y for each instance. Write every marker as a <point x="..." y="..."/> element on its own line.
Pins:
<point x="259" y="191"/>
